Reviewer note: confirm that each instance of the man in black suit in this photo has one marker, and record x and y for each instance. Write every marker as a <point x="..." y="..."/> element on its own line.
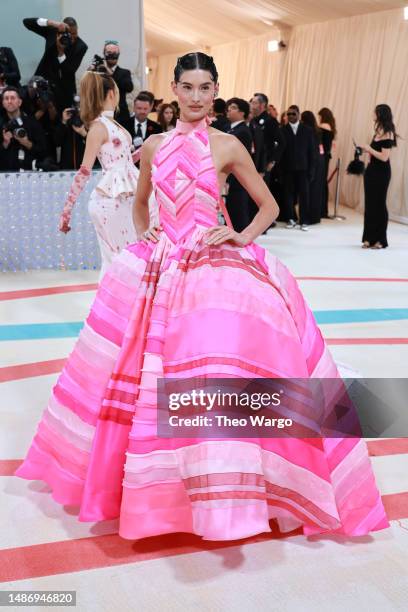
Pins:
<point x="139" y="125"/>
<point x="9" y="70"/>
<point x="237" y="201"/>
<point x="122" y="78"/>
<point x="298" y="166"/>
<point x="268" y="140"/>
<point x="22" y="140"/>
<point x="62" y="57"/>
<point x="273" y="143"/>
<point x="221" y="121"/>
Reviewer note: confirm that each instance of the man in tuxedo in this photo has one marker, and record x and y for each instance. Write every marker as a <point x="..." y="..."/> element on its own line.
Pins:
<point x="298" y="167"/>
<point x="237" y="201"/>
<point x="140" y="126"/>
<point x="122" y="78"/>
<point x="269" y="143"/>
<point x="62" y="57"/>
<point x="273" y="143"/>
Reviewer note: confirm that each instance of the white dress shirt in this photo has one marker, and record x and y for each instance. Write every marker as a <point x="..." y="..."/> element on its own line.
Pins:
<point x="143" y="126"/>
<point x="294" y="127"/>
<point x="236" y="123"/>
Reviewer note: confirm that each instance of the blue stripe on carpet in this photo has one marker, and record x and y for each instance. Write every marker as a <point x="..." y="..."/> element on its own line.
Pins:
<point x="360" y="316"/>
<point x="40" y="331"/>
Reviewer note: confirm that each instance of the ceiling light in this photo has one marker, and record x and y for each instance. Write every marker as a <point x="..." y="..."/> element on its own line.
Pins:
<point x="406" y="13"/>
<point x="273" y="45"/>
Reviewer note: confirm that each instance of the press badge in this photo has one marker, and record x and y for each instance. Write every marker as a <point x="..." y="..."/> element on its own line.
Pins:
<point x="21" y="155"/>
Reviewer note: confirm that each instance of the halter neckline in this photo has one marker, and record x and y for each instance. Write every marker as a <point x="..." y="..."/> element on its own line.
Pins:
<point x="186" y="127"/>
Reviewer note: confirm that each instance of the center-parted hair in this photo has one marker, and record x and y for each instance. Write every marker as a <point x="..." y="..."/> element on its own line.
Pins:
<point x="94" y="88"/>
<point x="195" y="61"/>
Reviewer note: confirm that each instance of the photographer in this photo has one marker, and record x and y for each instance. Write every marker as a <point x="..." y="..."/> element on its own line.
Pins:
<point x="62" y="57"/>
<point x="121" y="76"/>
<point x="23" y="140"/>
<point x="9" y="70"/>
<point x="38" y="102"/>
<point x="71" y="137"/>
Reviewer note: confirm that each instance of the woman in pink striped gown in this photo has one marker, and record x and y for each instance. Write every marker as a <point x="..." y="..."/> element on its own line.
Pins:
<point x="195" y="299"/>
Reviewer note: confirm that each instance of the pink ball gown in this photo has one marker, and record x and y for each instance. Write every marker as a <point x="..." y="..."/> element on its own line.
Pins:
<point x="181" y="308"/>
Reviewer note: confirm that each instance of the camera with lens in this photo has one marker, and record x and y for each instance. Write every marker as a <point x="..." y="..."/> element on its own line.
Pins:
<point x="41" y="89"/>
<point x="97" y="62"/>
<point x="65" y="39"/>
<point x="74" y="116"/>
<point x="15" y="126"/>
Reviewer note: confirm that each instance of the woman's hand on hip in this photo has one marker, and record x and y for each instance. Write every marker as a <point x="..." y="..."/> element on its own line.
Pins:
<point x="151" y="234"/>
<point x="221" y="233"/>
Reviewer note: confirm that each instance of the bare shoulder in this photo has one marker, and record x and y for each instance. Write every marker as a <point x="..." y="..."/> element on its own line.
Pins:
<point x="326" y="126"/>
<point x="227" y="142"/>
<point x="98" y="129"/>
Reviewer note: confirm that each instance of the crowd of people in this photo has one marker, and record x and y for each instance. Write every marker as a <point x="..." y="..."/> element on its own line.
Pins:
<point x="40" y="123"/>
<point x="41" y="129"/>
<point x="292" y="153"/>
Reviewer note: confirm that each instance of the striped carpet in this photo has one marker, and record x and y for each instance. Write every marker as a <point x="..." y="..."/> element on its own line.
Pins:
<point x="42" y="545"/>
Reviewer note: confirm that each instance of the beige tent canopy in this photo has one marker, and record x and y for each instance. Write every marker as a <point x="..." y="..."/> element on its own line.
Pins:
<point x="348" y="55"/>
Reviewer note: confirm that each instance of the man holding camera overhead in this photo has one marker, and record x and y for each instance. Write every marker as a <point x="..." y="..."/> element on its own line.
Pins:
<point x="121" y="76"/>
<point x="62" y="57"/>
<point x="22" y="145"/>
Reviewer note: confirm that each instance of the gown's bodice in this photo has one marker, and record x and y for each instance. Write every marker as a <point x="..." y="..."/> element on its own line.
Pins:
<point x="185" y="180"/>
<point x="378" y="145"/>
<point x="119" y="174"/>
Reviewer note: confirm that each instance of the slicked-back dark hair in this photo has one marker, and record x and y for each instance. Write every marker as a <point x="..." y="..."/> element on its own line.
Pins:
<point x="144" y="97"/>
<point x="195" y="61"/>
<point x="263" y="98"/>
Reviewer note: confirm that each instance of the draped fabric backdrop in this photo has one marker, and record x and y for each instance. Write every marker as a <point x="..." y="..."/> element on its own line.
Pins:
<point x="349" y="65"/>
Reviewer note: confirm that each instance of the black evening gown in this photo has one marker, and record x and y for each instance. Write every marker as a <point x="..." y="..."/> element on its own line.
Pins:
<point x="327" y="141"/>
<point x="376" y="181"/>
<point x="317" y="183"/>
